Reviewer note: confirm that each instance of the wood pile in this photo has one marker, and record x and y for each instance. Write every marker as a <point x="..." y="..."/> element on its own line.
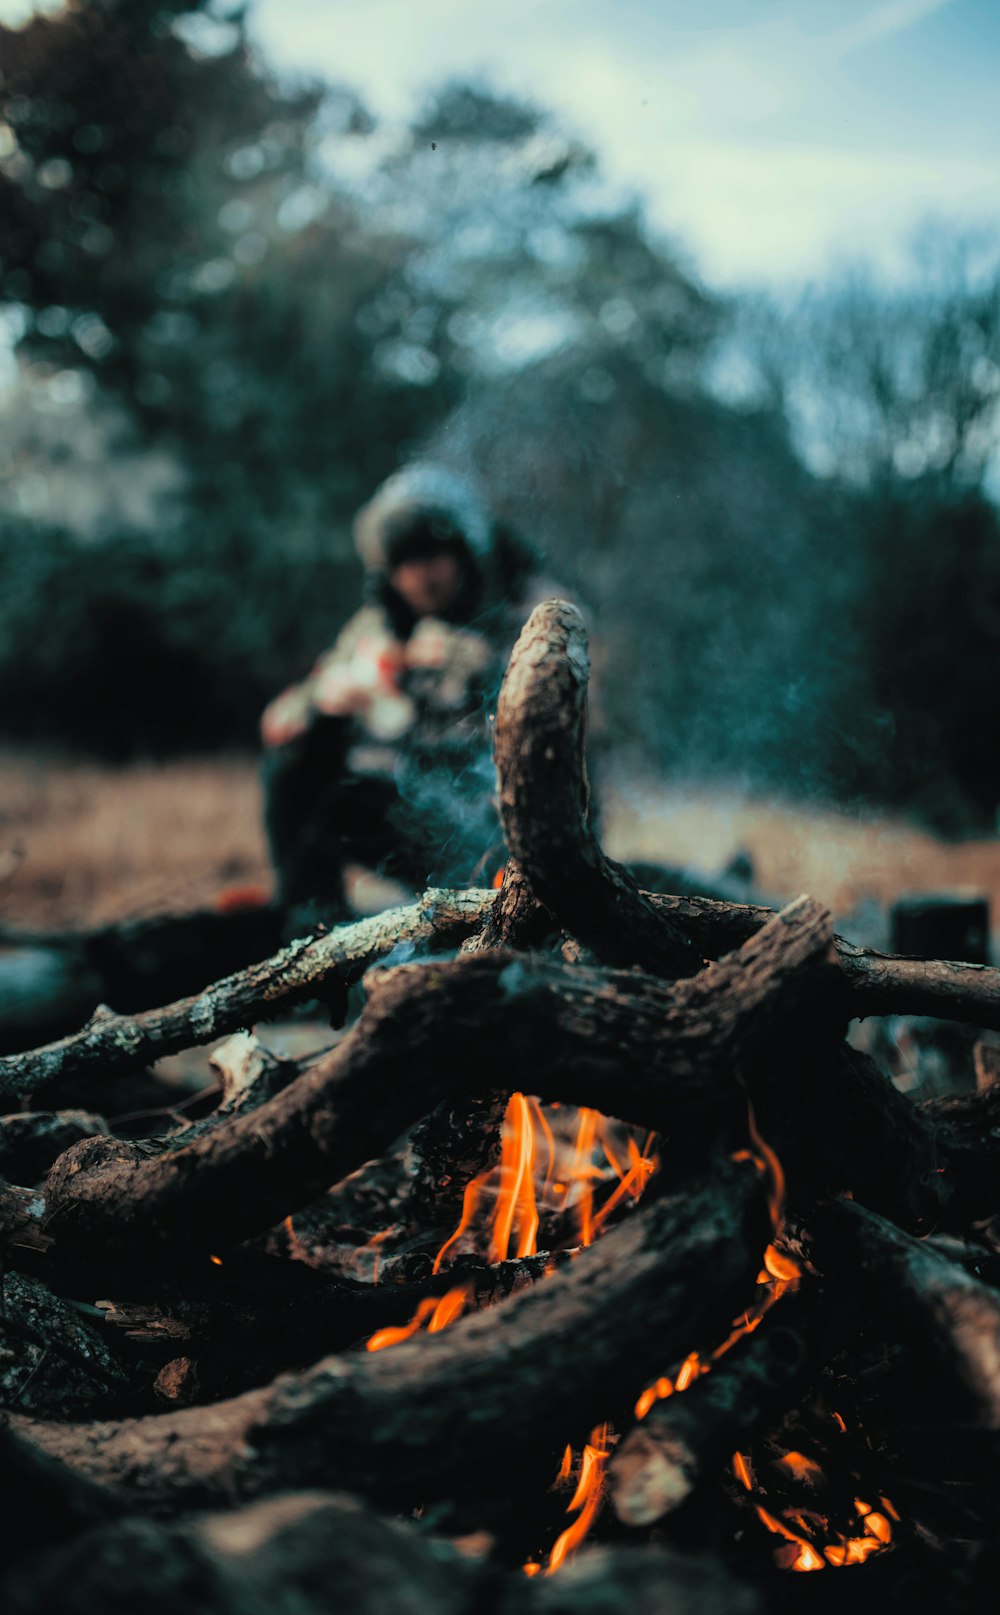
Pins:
<point x="760" y="1338"/>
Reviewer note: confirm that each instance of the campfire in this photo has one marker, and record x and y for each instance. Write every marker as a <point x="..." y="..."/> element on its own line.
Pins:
<point x="589" y="1268"/>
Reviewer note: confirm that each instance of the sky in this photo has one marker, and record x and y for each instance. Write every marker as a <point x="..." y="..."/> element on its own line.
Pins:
<point x="774" y="140"/>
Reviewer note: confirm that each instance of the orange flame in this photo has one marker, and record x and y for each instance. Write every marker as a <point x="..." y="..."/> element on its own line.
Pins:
<point x="437" y="1311"/>
<point x="393" y="1335"/>
<point x="780" y="1274"/>
<point x="450" y="1307"/>
<point x="588" y="1497"/>
<point x="742" y="1471"/>
<point x="583" y="1172"/>
<point x="520" y="1194"/>
<point x="516" y="1200"/>
<point x="470" y="1200"/>
<point x="515" y="1222"/>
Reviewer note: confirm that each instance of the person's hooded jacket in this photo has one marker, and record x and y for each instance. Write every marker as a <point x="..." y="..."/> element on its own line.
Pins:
<point x="420" y="686"/>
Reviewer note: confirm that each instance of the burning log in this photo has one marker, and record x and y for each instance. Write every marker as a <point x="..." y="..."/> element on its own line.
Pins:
<point x="673" y="1273"/>
<point x="681" y="1438"/>
<point x="738" y="1068"/>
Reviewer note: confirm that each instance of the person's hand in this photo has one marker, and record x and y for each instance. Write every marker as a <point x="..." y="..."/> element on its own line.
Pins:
<point x="286" y="717"/>
<point x="342" y="692"/>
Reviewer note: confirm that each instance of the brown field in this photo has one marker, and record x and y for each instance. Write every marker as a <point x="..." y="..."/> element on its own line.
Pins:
<point x="80" y="844"/>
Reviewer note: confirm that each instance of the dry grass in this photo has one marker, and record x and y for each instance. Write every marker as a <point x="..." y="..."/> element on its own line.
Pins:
<point x="840" y="859"/>
<point x="80" y="845"/>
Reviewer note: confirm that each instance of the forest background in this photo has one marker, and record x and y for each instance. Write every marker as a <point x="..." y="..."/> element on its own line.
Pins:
<point x="231" y="305"/>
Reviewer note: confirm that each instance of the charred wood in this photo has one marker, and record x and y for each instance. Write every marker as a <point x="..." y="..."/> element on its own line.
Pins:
<point x="688" y="1435"/>
<point x="254" y="1317"/>
<point x="914" y="1292"/>
<point x="512" y="1381"/>
<point x="54" y="1360"/>
<point x="660" y="1055"/>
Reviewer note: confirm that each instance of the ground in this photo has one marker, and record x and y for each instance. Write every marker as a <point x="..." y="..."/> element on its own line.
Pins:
<point x="82" y="844"/>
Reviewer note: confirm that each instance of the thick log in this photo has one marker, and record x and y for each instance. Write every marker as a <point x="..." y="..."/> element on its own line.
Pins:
<point x="303" y="970"/>
<point x="310" y="1552"/>
<point x="31" y="1140"/>
<point x="688" y="1435"/>
<point x="54" y="1358"/>
<point x="539" y="743"/>
<point x="913" y="1293"/>
<point x="256" y="1316"/>
<point x="44" y="1503"/>
<point x="516" y="1382"/>
<point x="652" y="1053"/>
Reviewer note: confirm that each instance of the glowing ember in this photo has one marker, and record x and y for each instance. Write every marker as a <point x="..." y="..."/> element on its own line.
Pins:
<point x="800" y="1466"/>
<point x="742" y="1471"/>
<point x="803" y="1529"/>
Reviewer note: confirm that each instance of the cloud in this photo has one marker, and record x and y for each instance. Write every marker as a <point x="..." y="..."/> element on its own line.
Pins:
<point x="881" y="23"/>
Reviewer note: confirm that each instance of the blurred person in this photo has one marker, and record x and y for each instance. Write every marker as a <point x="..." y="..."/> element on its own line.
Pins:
<point x="382" y="756"/>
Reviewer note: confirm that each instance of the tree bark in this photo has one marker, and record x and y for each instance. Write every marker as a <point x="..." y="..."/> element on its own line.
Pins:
<point x="651" y="1053"/>
<point x="423" y="1415"/>
<point x="310" y="1552"/>
<point x="303" y="970"/>
<point x="539" y="741"/>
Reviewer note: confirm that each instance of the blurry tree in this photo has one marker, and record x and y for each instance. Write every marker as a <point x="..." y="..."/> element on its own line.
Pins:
<point x="780" y="514"/>
<point x="166" y="225"/>
<point x="895" y="391"/>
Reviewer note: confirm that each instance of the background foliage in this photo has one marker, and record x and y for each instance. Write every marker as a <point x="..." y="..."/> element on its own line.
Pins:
<point x="237" y="305"/>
